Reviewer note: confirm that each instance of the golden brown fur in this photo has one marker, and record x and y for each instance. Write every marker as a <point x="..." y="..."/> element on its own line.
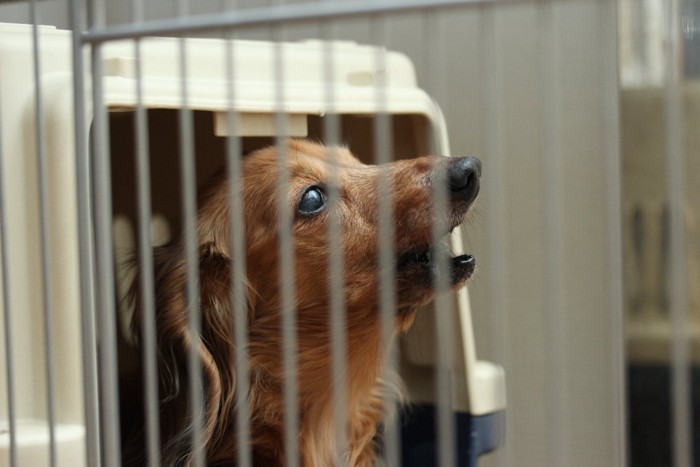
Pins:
<point x="358" y="215"/>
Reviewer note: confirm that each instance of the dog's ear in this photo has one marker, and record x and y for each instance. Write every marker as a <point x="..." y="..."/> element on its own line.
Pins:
<point x="214" y="347"/>
<point x="218" y="344"/>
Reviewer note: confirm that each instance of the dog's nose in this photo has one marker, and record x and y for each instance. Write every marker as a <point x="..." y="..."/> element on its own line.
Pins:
<point x="463" y="177"/>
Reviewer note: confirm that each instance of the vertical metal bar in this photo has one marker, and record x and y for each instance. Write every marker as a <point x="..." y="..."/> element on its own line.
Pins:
<point x="109" y="384"/>
<point x="287" y="279"/>
<point x="190" y="250"/>
<point x="45" y="231"/>
<point x="675" y="182"/>
<point x="444" y="319"/>
<point x="238" y="262"/>
<point x="148" y="339"/>
<point x="556" y="324"/>
<point x="608" y="24"/>
<point x="85" y="245"/>
<point x="337" y="281"/>
<point x="137" y="12"/>
<point x="8" y="333"/>
<point x="104" y="249"/>
<point x="497" y="220"/>
<point x="383" y="150"/>
<point x="191" y="255"/>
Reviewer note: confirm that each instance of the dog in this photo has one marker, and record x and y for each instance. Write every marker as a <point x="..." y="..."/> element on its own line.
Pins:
<point x="412" y="183"/>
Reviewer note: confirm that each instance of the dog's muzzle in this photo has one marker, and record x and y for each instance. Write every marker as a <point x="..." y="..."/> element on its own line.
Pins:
<point x="418" y="268"/>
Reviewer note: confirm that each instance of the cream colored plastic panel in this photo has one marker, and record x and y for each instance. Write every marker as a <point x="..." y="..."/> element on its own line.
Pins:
<point x="17" y="94"/>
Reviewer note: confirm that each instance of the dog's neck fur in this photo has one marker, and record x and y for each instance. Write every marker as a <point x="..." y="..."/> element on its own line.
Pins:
<point x="317" y="429"/>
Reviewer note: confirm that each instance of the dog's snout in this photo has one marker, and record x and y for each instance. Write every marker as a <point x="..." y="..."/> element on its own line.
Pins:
<point x="463" y="177"/>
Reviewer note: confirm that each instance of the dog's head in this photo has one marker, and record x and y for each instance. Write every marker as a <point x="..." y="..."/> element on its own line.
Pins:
<point x="312" y="168"/>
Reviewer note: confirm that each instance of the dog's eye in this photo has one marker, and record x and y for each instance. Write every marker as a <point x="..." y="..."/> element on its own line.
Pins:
<point x="312" y="201"/>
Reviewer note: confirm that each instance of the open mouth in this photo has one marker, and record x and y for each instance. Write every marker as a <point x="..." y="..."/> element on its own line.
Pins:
<point x="428" y="261"/>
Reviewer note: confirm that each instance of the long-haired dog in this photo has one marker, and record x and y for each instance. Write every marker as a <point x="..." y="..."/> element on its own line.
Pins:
<point x="412" y="184"/>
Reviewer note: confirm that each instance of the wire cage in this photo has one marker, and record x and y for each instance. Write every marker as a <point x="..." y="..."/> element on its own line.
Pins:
<point x="114" y="124"/>
<point x="205" y="90"/>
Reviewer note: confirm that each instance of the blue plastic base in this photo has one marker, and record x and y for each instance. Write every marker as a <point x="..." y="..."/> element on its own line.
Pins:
<point x="474" y="436"/>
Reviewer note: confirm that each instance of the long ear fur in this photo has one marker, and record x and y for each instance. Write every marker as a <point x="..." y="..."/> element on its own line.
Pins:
<point x="215" y="348"/>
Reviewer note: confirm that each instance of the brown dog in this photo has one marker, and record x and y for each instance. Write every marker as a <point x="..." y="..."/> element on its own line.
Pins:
<point x="357" y="212"/>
